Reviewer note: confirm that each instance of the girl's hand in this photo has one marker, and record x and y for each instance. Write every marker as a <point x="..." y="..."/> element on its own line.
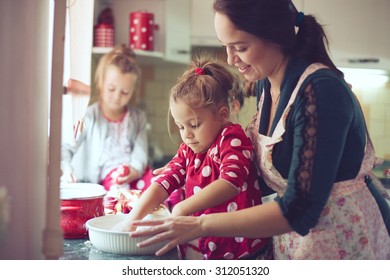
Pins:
<point x="124" y="226"/>
<point x="176" y="230"/>
<point x="160" y="170"/>
<point x="124" y="174"/>
<point x="68" y="177"/>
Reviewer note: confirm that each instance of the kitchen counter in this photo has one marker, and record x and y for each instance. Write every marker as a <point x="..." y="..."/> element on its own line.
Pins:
<point x="82" y="249"/>
<point x="379" y="172"/>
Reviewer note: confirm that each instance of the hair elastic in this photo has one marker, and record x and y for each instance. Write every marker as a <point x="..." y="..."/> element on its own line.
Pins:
<point x="199" y="71"/>
<point x="299" y="18"/>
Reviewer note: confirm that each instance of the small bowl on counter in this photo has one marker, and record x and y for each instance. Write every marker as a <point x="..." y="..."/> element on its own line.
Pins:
<point x="104" y="238"/>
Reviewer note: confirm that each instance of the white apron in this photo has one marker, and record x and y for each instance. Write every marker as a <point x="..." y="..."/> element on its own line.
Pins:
<point x="350" y="225"/>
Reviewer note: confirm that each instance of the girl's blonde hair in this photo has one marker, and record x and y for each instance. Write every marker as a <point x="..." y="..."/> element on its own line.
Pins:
<point x="122" y="57"/>
<point x="206" y="83"/>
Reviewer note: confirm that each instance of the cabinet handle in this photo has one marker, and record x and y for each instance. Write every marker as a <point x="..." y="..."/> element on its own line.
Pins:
<point x="182" y="52"/>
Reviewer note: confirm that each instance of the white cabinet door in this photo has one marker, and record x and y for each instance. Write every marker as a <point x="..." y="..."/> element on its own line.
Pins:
<point x="357" y="30"/>
<point x="78" y="41"/>
<point x="202" y="22"/>
<point x="178" y="28"/>
<point x="172" y="38"/>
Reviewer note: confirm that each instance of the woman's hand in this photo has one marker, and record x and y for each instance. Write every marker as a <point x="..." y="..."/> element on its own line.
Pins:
<point x="175" y="230"/>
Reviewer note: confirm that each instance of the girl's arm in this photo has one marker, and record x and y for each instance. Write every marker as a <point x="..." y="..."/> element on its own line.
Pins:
<point x="70" y="147"/>
<point x="214" y="194"/>
<point x="149" y="200"/>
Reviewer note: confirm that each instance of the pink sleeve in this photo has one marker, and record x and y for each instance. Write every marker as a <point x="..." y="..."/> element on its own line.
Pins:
<point x="236" y="152"/>
<point x="174" y="175"/>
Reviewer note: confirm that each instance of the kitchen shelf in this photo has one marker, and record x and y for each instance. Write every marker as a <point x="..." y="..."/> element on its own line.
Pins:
<point x="172" y="38"/>
<point x="102" y="50"/>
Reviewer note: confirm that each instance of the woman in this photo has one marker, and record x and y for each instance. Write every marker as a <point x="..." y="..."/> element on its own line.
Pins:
<point x="312" y="147"/>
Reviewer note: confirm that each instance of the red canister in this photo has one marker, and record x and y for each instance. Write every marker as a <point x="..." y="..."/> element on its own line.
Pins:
<point x="141" y="29"/>
<point x="104" y="35"/>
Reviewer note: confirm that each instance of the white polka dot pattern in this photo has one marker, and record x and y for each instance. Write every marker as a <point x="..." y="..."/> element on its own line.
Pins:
<point x="214" y="150"/>
<point x="244" y="187"/>
<point x="140" y="184"/>
<point x="247" y="154"/>
<point x="243" y="255"/>
<point x="231" y="174"/>
<point x="257" y="187"/>
<point x="235" y="142"/>
<point x="196" y="189"/>
<point x="212" y="246"/>
<point x="239" y="239"/>
<point x="233" y="157"/>
<point x="206" y="171"/>
<point x="176" y="177"/>
<point x="228" y="256"/>
<point x="165" y="184"/>
<point x="255" y="242"/>
<point x="232" y="206"/>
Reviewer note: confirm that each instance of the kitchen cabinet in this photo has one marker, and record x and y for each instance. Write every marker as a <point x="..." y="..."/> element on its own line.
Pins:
<point x="172" y="38"/>
<point x="78" y="41"/>
<point x="202" y="22"/>
<point x="356" y="29"/>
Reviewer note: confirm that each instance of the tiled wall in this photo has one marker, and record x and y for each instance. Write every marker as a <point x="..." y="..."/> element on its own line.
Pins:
<point x="158" y="79"/>
<point x="376" y="107"/>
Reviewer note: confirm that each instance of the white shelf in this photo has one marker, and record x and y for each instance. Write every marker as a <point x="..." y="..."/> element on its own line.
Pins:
<point x="103" y="50"/>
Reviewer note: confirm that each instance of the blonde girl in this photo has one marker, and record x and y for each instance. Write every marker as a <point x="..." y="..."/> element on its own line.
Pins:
<point x="112" y="149"/>
<point x="213" y="163"/>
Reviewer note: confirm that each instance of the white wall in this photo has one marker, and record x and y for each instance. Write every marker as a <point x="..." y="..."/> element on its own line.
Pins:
<point x="24" y="91"/>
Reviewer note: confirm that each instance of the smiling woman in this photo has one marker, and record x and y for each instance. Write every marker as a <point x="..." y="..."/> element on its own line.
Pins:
<point x="313" y="151"/>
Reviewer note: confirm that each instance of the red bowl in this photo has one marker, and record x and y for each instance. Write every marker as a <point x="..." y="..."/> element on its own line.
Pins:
<point x="79" y="203"/>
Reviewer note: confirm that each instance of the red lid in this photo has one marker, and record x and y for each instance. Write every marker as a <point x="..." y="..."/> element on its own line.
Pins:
<point x="104" y="25"/>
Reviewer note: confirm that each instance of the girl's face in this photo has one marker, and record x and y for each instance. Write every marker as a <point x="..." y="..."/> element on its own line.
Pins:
<point x="254" y="58"/>
<point x="198" y="127"/>
<point x="117" y="89"/>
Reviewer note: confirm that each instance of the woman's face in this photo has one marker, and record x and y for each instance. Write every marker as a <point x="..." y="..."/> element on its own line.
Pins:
<point x="254" y="58"/>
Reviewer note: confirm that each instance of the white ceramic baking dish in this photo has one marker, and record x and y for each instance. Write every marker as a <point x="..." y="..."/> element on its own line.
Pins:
<point x="105" y="239"/>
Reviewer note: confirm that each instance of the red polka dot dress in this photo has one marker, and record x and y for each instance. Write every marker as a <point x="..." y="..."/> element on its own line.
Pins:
<point x="228" y="158"/>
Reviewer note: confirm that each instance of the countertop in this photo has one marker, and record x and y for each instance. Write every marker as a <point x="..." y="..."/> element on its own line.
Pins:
<point x="82" y="249"/>
<point x="379" y="172"/>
